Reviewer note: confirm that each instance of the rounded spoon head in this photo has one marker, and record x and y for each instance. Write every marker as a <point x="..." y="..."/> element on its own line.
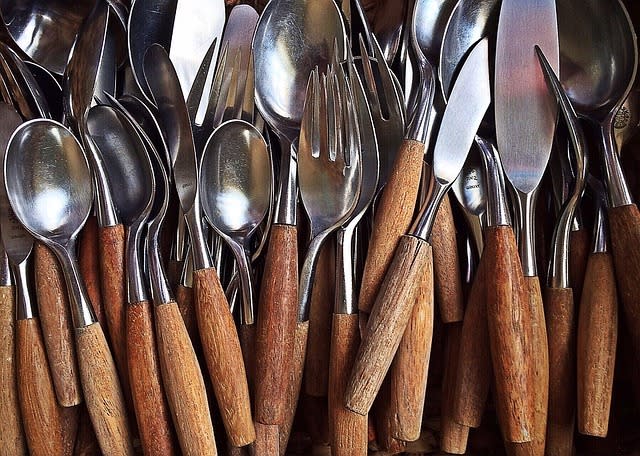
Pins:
<point x="430" y="18"/>
<point x="48" y="180"/>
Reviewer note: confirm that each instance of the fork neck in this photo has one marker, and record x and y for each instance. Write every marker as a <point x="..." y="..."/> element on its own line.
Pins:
<point x="288" y="186"/>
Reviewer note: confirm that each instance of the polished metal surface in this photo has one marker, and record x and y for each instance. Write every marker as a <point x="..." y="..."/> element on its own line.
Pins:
<point x="45" y="29"/>
<point x="627" y="120"/>
<point x="48" y="183"/>
<point x="50" y="87"/>
<point x="25" y="304"/>
<point x="498" y="213"/>
<point x="430" y="19"/>
<point x="388" y="27"/>
<point x="235" y="178"/>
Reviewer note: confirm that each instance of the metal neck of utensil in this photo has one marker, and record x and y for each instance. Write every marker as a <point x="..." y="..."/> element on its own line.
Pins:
<point x="287" y="192"/>
<point x="307" y="275"/>
<point x="615" y="181"/>
<point x="160" y="288"/>
<point x="497" y="206"/>
<point x="199" y="251"/>
<point x="525" y="206"/>
<point x="600" y="231"/>
<point x="181" y="240"/>
<point x="136" y="288"/>
<point x="418" y="126"/>
<point x="244" y="273"/>
<point x="344" y="296"/>
<point x="423" y="224"/>
<point x="105" y="207"/>
<point x="24" y="304"/>
<point x="5" y="270"/>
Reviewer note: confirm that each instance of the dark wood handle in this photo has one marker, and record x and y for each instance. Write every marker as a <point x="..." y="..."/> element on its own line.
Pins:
<point x="597" y="341"/>
<point x="151" y="408"/>
<point x="221" y="347"/>
<point x="348" y="430"/>
<point x="247" y="335"/>
<point x="388" y="321"/>
<point x="89" y="260"/>
<point x="579" y="246"/>
<point x="55" y="319"/>
<point x="447" y="280"/>
<point x="276" y="324"/>
<point x="453" y="435"/>
<point x="86" y="441"/>
<point x="71" y="425"/>
<point x="102" y="391"/>
<point x="561" y="329"/>
<point x="316" y="370"/>
<point x="624" y="226"/>
<point x="41" y="415"/>
<point x="408" y="373"/>
<point x="510" y="334"/>
<point x="184" y="299"/>
<point x="294" y="382"/>
<point x="12" y="436"/>
<point x="393" y="216"/>
<point x="267" y="440"/>
<point x="183" y="383"/>
<point x="111" y="241"/>
<point x="474" y="371"/>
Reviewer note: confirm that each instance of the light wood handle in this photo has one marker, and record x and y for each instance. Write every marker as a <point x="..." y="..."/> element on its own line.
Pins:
<point x="12" y="440"/>
<point x="408" y="373"/>
<point x="393" y="216"/>
<point x="347" y="430"/>
<point x="597" y="341"/>
<point x="447" y="280"/>
<point x="55" y="319"/>
<point x="267" y="440"/>
<point x="184" y="299"/>
<point x="453" y="435"/>
<point x="41" y="414"/>
<point x="276" y="324"/>
<point x="579" y="246"/>
<point x="183" y="383"/>
<point x="221" y="347"/>
<point x="510" y="335"/>
<point x="151" y="408"/>
<point x="388" y="321"/>
<point x="316" y="371"/>
<point x="102" y="392"/>
<point x="294" y="382"/>
<point x="111" y="240"/>
<point x="474" y="371"/>
<point x="89" y="261"/>
<point x="624" y="226"/>
<point x="561" y="328"/>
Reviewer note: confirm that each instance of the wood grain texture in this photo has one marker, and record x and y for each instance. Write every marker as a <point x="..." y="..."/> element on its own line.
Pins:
<point x="12" y="441"/>
<point x="276" y="324"/>
<point x="102" y="391"/>
<point x="183" y="383"/>
<point x="447" y="281"/>
<point x="221" y="347"/>
<point x="55" y="320"/>
<point x="293" y="383"/>
<point x="71" y="425"/>
<point x="474" y="371"/>
<point x="453" y="435"/>
<point x="393" y="216"/>
<point x="111" y="240"/>
<point x="89" y="260"/>
<point x="510" y="335"/>
<point x="151" y="407"/>
<point x="267" y="440"/>
<point x="86" y="440"/>
<point x="579" y="246"/>
<point x="597" y="342"/>
<point x="540" y="361"/>
<point x="247" y="335"/>
<point x="316" y="370"/>
<point x="347" y="429"/>
<point x="561" y="329"/>
<point x="408" y="373"/>
<point x="41" y="415"/>
<point x="388" y="320"/>
<point x="184" y="299"/>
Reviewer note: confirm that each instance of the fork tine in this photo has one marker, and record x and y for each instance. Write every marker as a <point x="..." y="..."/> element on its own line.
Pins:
<point x="306" y="126"/>
<point x="197" y="89"/>
<point x="352" y="128"/>
<point x="231" y="104"/>
<point x="333" y="115"/>
<point x="219" y="91"/>
<point x="370" y="86"/>
<point x="248" y="103"/>
<point x="388" y="86"/>
<point x="318" y="113"/>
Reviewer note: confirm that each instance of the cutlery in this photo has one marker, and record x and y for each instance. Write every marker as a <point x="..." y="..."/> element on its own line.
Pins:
<point x="54" y="211"/>
<point x="50" y="87"/>
<point x="393" y="306"/>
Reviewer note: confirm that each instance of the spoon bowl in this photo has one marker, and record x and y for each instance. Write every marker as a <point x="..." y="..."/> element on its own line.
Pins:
<point x="431" y="17"/>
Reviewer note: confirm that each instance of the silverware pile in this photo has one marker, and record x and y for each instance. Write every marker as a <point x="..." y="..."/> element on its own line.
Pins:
<point x="162" y="161"/>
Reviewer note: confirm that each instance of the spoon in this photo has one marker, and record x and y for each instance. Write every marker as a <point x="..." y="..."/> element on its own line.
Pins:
<point x="48" y="184"/>
<point x="51" y="88"/>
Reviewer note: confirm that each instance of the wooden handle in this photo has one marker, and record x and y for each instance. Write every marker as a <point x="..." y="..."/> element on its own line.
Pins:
<point x="184" y="298"/>
<point x="393" y="216"/>
<point x="276" y="324"/>
<point x="55" y="319"/>
<point x="294" y="382"/>
<point x="183" y="382"/>
<point x="86" y="441"/>
<point x="41" y="414"/>
<point x="408" y="373"/>
<point x="347" y="430"/>
<point x="388" y="321"/>
<point x="71" y="425"/>
<point x="89" y="260"/>
<point x="316" y="371"/>
<point x="510" y="335"/>
<point x="151" y="408"/>
<point x="111" y="240"/>
<point x="447" y="280"/>
<point x="102" y="392"/>
<point x="474" y="371"/>
<point x="540" y="362"/>
<point x="12" y="437"/>
<point x="223" y="354"/>
<point x="561" y="328"/>
<point x="453" y="435"/>
<point x="267" y="440"/>
<point x="597" y="341"/>
<point x="247" y="335"/>
<point x="579" y="246"/>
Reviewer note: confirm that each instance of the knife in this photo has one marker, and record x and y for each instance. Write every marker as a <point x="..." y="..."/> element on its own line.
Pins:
<point x="525" y="115"/>
<point x="469" y="101"/>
